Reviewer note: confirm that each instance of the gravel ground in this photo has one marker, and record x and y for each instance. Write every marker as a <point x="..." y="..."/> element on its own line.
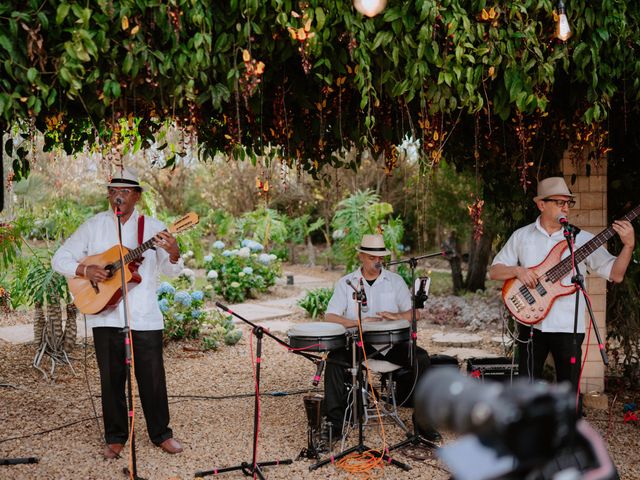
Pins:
<point x="55" y="421"/>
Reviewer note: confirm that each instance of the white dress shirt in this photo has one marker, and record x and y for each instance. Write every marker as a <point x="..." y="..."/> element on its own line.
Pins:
<point x="529" y="246"/>
<point x="99" y="233"/>
<point x="388" y="293"/>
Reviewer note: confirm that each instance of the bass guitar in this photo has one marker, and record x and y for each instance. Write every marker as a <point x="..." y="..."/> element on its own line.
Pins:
<point x="531" y="305"/>
<point x="91" y="297"/>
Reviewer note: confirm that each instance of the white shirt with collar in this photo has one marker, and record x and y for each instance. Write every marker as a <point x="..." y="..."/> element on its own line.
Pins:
<point x="389" y="293"/>
<point x="99" y="233"/>
<point x="529" y="246"/>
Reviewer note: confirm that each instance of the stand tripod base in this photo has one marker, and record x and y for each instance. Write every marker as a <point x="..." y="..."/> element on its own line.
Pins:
<point x="127" y="472"/>
<point x="246" y="468"/>
<point x="18" y="461"/>
<point x="415" y="440"/>
<point x="360" y="449"/>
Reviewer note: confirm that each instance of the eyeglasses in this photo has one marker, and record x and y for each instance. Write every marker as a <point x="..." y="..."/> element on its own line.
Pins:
<point x="122" y="191"/>
<point x="561" y="203"/>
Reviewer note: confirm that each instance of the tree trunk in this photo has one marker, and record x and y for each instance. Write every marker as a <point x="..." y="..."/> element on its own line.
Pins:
<point x="38" y="323"/>
<point x="70" y="328"/>
<point x="452" y="254"/>
<point x="479" y="254"/>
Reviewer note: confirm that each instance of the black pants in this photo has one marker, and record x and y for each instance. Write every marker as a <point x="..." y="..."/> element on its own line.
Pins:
<point x="337" y="377"/>
<point x="150" y="377"/>
<point x="533" y="354"/>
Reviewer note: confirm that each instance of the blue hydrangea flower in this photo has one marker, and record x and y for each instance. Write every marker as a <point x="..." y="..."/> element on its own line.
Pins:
<point x="208" y="258"/>
<point x="183" y="298"/>
<point x="226" y="253"/>
<point x="256" y="247"/>
<point x="247" y="270"/>
<point x="197" y="295"/>
<point x="166" y="287"/>
<point x="246" y="242"/>
<point x="218" y="245"/>
<point x="212" y="275"/>
<point x="179" y="317"/>
<point x="163" y="303"/>
<point x="196" y="314"/>
<point x="264" y="258"/>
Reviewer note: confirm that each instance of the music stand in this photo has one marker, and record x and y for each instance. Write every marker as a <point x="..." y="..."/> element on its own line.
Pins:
<point x="414" y="439"/>
<point x="254" y="468"/>
<point x="356" y="384"/>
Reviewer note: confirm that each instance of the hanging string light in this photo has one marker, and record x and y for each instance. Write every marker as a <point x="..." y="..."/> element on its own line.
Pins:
<point x="563" y="30"/>
<point x="370" y="8"/>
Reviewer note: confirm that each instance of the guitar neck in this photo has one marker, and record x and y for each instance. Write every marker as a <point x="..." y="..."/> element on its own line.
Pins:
<point x="565" y="266"/>
<point x="136" y="252"/>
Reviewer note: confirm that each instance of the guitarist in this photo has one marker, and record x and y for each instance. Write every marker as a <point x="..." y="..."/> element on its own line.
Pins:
<point x="94" y="236"/>
<point x="528" y="247"/>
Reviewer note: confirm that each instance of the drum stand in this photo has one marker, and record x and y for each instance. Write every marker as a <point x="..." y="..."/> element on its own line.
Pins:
<point x="252" y="469"/>
<point x="356" y="384"/>
<point x="415" y="439"/>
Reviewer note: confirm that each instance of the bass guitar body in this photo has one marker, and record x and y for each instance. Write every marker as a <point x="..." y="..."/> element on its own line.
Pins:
<point x="531" y="305"/>
<point x="93" y="298"/>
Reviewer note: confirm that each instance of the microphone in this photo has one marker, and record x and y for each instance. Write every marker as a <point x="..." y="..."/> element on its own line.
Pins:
<point x="568" y="228"/>
<point x="319" y="369"/>
<point x="365" y="304"/>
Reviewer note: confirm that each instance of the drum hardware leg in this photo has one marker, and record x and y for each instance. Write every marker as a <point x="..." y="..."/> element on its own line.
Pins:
<point x="253" y="469"/>
<point x="357" y="383"/>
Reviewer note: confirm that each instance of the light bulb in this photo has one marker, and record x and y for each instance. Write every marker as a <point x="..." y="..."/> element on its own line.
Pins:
<point x="563" y="30"/>
<point x="370" y="8"/>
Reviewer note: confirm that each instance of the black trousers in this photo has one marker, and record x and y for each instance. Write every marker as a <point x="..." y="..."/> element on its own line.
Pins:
<point x="337" y="377"/>
<point x="150" y="377"/>
<point x="533" y="354"/>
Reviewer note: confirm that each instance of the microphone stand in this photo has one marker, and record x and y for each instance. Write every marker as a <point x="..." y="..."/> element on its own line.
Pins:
<point x="133" y="474"/>
<point x="356" y="379"/>
<point x="414" y="439"/>
<point x="570" y="233"/>
<point x="254" y="468"/>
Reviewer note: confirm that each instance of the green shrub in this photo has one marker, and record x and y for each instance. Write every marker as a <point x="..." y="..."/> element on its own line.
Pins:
<point x="315" y="302"/>
<point x="184" y="317"/>
<point x="240" y="273"/>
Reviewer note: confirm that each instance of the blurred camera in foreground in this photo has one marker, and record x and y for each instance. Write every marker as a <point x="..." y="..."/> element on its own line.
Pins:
<point x="524" y="431"/>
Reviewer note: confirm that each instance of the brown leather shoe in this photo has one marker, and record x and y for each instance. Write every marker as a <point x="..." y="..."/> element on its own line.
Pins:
<point x="112" y="450"/>
<point x="171" y="445"/>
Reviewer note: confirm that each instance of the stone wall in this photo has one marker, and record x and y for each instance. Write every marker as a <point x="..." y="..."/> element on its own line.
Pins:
<point x="590" y="214"/>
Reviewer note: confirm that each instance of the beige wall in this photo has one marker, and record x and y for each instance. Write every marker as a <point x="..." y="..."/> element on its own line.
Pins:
<point x="590" y="213"/>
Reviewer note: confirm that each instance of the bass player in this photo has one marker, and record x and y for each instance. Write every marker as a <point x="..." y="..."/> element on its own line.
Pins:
<point x="92" y="237"/>
<point x="528" y="247"/>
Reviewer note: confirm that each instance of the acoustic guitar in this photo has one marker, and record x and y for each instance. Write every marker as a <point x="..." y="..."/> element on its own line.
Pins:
<point x="531" y="305"/>
<point x="91" y="297"/>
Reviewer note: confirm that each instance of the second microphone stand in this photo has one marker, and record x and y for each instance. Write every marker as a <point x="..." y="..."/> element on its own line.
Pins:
<point x="253" y="469"/>
<point x="414" y="439"/>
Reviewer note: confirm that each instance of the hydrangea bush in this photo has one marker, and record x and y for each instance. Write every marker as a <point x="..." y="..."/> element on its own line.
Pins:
<point x="236" y="274"/>
<point x="185" y="317"/>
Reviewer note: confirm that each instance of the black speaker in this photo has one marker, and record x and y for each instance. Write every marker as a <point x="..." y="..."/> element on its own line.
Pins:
<point x="492" y="368"/>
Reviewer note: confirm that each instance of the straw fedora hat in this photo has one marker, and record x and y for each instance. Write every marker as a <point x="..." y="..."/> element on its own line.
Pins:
<point x="373" y="245"/>
<point x="552" y="186"/>
<point x="125" y="177"/>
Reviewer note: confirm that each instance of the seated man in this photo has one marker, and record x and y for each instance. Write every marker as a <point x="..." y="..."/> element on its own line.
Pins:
<point x="388" y="298"/>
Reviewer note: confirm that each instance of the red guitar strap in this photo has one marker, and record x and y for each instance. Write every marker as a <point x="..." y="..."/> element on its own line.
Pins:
<point x="140" y="229"/>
